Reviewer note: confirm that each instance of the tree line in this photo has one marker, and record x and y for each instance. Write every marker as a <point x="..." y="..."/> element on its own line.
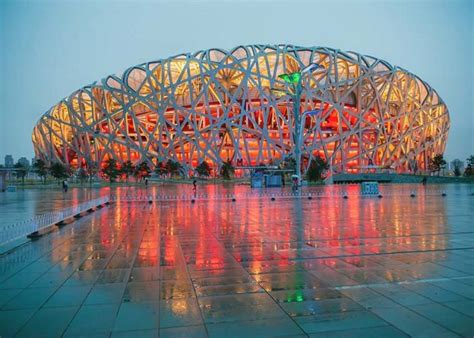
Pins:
<point x="113" y="171"/>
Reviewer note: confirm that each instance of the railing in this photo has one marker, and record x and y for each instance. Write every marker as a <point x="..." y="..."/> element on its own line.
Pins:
<point x="147" y="197"/>
<point x="24" y="228"/>
<point x="214" y="197"/>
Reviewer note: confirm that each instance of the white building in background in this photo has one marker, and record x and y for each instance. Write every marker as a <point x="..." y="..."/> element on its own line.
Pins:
<point x="9" y="162"/>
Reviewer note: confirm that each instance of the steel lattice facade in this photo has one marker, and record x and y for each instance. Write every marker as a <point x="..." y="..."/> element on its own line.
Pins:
<point x="218" y="105"/>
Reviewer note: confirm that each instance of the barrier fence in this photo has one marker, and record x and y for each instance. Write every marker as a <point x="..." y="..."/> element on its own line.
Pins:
<point x="141" y="197"/>
<point x="34" y="224"/>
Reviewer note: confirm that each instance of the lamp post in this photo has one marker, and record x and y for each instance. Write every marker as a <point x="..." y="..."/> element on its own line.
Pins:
<point x="294" y="80"/>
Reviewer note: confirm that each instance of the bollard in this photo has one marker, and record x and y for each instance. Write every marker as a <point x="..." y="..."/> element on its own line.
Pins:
<point x="233" y="199"/>
<point x="379" y="196"/>
<point x="443" y="194"/>
<point x="412" y="194"/>
<point x="273" y="198"/>
<point x="345" y="196"/>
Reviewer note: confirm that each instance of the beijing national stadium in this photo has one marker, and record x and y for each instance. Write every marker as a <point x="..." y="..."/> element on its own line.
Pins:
<point x="217" y="105"/>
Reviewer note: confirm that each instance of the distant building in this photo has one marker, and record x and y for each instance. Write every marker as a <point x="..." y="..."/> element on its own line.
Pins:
<point x="456" y="163"/>
<point x="9" y="162"/>
<point x="24" y="162"/>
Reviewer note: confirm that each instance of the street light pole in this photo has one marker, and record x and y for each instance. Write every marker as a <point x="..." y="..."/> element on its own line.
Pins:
<point x="295" y="79"/>
<point x="297" y="135"/>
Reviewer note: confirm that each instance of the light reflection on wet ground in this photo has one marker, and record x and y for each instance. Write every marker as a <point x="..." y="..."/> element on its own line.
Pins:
<point x="396" y="266"/>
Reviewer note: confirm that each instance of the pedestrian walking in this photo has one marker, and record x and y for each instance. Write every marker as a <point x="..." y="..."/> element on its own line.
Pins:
<point x="65" y="186"/>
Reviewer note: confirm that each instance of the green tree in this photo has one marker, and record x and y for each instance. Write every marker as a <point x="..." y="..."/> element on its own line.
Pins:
<point x="111" y="170"/>
<point x="161" y="169"/>
<point x="288" y="163"/>
<point x="437" y="163"/>
<point x="21" y="171"/>
<point x="41" y="169"/>
<point x="316" y="169"/>
<point x="227" y="170"/>
<point x="142" y="171"/>
<point x="92" y="170"/>
<point x="204" y="169"/>
<point x="174" y="168"/>
<point x="469" y="171"/>
<point x="82" y="175"/>
<point x="59" y="171"/>
<point x="127" y="169"/>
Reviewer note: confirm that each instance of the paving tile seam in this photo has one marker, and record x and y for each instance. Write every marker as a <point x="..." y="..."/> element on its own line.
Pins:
<point x="381" y="254"/>
<point x="58" y="287"/>
<point x="95" y="282"/>
<point x="194" y="289"/>
<point x="427" y="280"/>
<point x="55" y="235"/>
<point x="85" y="298"/>
<point x="264" y="291"/>
<point x="416" y="312"/>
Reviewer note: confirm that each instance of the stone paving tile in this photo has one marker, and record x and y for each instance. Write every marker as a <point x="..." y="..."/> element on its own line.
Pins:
<point x="7" y="294"/>
<point x="371" y="332"/>
<point x="412" y="323"/>
<point x="68" y="296"/>
<point x="401" y="295"/>
<point x="465" y="307"/>
<point x="446" y="317"/>
<point x="93" y="319"/>
<point x="57" y="319"/>
<point x="142" y="292"/>
<point x="136" y="334"/>
<point x="368" y="298"/>
<point x="456" y="287"/>
<point x="198" y="331"/>
<point x="339" y="321"/>
<point x="12" y="320"/>
<point x="434" y="292"/>
<point x="137" y="316"/>
<point x="30" y="298"/>
<point x="239" y="308"/>
<point x="281" y="327"/>
<point x="315" y="307"/>
<point x="20" y="280"/>
<point x="323" y="268"/>
<point x="105" y="294"/>
<point x="179" y="312"/>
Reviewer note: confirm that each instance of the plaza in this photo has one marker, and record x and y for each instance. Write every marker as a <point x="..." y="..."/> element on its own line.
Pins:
<point x="395" y="266"/>
<point x="236" y="169"/>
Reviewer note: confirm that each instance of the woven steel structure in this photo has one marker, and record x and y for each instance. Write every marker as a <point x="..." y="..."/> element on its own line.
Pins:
<point x="218" y="105"/>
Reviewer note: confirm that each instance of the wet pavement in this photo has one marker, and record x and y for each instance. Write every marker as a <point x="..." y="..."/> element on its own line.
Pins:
<point x="397" y="266"/>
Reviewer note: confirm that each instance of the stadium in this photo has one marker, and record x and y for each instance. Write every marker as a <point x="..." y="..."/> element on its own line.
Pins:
<point x="217" y="105"/>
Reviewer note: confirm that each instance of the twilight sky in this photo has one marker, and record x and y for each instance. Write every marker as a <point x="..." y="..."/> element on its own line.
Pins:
<point x="49" y="48"/>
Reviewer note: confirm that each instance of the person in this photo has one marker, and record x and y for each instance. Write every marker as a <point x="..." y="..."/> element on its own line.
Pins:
<point x="423" y="181"/>
<point x="194" y="185"/>
<point x="295" y="183"/>
<point x="65" y="186"/>
<point x="146" y="182"/>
